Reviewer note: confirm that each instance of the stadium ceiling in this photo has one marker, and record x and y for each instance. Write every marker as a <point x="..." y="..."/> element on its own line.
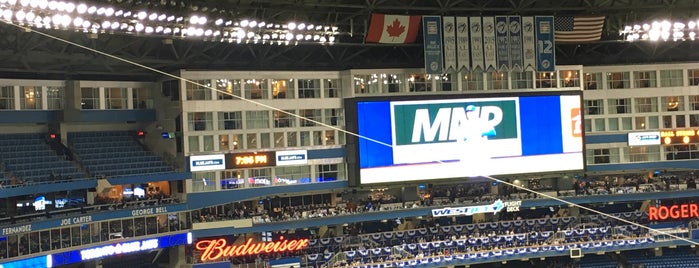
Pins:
<point x="26" y="54"/>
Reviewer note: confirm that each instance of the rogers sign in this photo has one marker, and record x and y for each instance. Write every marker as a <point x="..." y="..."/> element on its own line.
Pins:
<point x="674" y="212"/>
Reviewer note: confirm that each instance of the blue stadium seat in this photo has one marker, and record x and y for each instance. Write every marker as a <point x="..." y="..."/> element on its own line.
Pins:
<point x="29" y="158"/>
<point x="115" y="154"/>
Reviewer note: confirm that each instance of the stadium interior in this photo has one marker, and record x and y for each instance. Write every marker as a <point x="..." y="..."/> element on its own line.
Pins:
<point x="286" y="134"/>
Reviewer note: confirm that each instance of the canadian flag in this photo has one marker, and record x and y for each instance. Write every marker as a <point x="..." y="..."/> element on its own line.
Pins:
<point x="393" y="29"/>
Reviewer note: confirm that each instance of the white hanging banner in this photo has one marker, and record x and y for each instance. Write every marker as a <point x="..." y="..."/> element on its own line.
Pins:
<point x="489" y="44"/>
<point x="463" y="47"/>
<point x="476" y="34"/>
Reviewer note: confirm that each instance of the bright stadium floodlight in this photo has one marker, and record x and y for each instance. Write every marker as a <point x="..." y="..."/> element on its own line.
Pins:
<point x="660" y="31"/>
<point x="67" y="15"/>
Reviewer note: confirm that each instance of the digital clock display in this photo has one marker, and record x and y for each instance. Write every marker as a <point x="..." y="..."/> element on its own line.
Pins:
<point x="251" y="159"/>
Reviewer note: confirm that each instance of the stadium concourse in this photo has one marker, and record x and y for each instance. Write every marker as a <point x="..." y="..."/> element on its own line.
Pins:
<point x="335" y="134"/>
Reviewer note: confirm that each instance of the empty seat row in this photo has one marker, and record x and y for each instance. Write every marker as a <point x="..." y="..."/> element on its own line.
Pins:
<point x="37" y="165"/>
<point x="80" y="146"/>
<point x="98" y="150"/>
<point x="24" y="147"/>
<point x="10" y="142"/>
<point x="44" y="172"/>
<point x="21" y="154"/>
<point x="135" y="159"/>
<point x="99" y="139"/>
<point x="111" y="166"/>
<point x="99" y="134"/>
<point x="28" y="159"/>
<point x="135" y="171"/>
<point x="113" y="155"/>
<point x="22" y="136"/>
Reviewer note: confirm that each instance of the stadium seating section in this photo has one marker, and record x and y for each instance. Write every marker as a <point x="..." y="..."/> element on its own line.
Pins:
<point x="114" y="153"/>
<point x="27" y="159"/>
<point x="491" y="241"/>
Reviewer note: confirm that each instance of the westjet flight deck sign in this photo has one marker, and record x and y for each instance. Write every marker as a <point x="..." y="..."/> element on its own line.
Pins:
<point x="453" y="138"/>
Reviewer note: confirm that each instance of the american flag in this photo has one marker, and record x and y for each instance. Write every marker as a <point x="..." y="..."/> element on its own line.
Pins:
<point x="578" y="29"/>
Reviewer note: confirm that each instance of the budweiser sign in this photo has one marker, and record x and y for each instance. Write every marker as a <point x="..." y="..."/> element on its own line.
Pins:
<point x="214" y="249"/>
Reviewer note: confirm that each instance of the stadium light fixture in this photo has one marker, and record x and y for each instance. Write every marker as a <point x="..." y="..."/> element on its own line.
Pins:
<point x="88" y="18"/>
<point x="661" y="31"/>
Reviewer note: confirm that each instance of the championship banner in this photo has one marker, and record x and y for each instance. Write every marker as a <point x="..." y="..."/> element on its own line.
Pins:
<point x="528" y="44"/>
<point x="545" y="51"/>
<point x="502" y="43"/>
<point x="449" y="29"/>
<point x="476" y="35"/>
<point x="489" y="43"/>
<point x="516" y="60"/>
<point x="462" y="44"/>
<point x="432" y="31"/>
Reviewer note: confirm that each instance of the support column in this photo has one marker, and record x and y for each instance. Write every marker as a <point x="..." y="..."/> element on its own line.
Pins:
<point x="177" y="256"/>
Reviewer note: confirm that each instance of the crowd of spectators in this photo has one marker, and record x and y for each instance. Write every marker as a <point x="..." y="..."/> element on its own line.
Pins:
<point x="446" y="195"/>
<point x="633" y="184"/>
<point x="463" y="194"/>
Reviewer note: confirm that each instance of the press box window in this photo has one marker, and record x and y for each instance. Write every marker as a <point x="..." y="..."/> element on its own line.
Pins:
<point x="7" y="98"/>
<point x="593" y="81"/>
<point x="199" y="90"/>
<point x="523" y="80"/>
<point x="392" y="83"/>
<point x="226" y="89"/>
<point x="230" y="120"/>
<point x="569" y="78"/>
<point x="200" y="121"/>
<point x="497" y="80"/>
<point x="90" y="98"/>
<point x="332" y="88"/>
<point x="671" y="78"/>
<point x="309" y="88"/>
<point x="594" y="107"/>
<point x="30" y="97"/>
<point x="256" y="89"/>
<point x="472" y="81"/>
<point x="645" y="79"/>
<point x="282" y="88"/>
<point x="618" y="80"/>
<point x="256" y="119"/>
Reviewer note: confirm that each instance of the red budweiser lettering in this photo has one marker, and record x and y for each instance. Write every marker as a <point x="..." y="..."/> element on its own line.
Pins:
<point x="215" y="249"/>
<point x="674" y="212"/>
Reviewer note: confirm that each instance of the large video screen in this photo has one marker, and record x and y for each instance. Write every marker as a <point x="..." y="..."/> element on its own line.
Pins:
<point x="415" y="140"/>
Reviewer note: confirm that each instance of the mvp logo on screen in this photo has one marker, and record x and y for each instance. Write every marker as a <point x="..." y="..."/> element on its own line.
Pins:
<point x="448" y="122"/>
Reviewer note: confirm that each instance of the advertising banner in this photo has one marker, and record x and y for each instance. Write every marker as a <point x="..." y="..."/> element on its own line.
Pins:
<point x="207" y="162"/>
<point x="295" y="157"/>
<point x="468" y="137"/>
